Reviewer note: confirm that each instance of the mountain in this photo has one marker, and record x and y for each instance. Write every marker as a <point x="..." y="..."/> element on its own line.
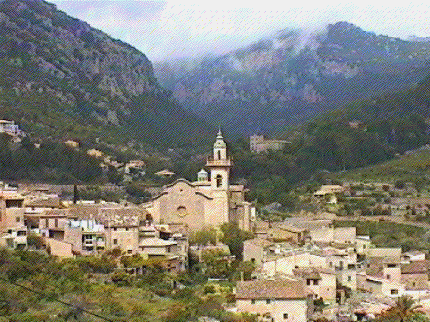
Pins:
<point x="294" y="75"/>
<point x="60" y="77"/>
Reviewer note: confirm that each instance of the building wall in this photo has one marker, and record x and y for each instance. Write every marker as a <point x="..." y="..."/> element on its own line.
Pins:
<point x="181" y="204"/>
<point x="392" y="274"/>
<point x="417" y="281"/>
<point x="59" y="248"/>
<point x="125" y="238"/>
<point x="362" y="245"/>
<point x="384" y="252"/>
<point x="327" y="287"/>
<point x="286" y="265"/>
<point x="252" y="251"/>
<point x="348" y="278"/>
<point x="12" y="218"/>
<point x="296" y="309"/>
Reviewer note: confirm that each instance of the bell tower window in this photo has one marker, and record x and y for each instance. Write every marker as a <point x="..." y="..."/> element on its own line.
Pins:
<point x="219" y="155"/>
<point x="218" y="179"/>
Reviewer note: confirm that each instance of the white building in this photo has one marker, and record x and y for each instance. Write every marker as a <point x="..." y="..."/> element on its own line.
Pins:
<point x="9" y="127"/>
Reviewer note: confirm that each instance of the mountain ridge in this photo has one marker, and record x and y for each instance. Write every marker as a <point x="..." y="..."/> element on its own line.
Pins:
<point x="285" y="79"/>
<point x="86" y="78"/>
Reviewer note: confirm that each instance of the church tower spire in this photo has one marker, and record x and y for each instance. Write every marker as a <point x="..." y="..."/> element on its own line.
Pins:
<point x="219" y="164"/>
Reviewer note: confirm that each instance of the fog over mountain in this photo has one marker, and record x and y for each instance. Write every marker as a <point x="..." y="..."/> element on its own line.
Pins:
<point x="165" y="30"/>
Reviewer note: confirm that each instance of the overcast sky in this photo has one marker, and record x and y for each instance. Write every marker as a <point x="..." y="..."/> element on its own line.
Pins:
<point x="170" y="29"/>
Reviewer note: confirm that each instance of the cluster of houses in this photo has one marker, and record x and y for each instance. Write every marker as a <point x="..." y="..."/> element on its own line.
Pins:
<point x="134" y="169"/>
<point x="87" y="228"/>
<point x="307" y="268"/>
<point x="377" y="198"/>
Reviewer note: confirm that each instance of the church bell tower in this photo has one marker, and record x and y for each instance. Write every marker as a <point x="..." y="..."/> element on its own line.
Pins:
<point x="219" y="164"/>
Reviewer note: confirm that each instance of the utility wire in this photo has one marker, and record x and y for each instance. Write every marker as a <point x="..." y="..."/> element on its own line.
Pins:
<point x="56" y="300"/>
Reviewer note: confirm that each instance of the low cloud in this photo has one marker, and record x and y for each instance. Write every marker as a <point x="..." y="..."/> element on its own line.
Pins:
<point x="167" y="30"/>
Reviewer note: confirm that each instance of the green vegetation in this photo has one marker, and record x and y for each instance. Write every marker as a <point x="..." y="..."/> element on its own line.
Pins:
<point x="62" y="87"/>
<point x="389" y="234"/>
<point x="35" y="287"/>
<point x="413" y="168"/>
<point x="52" y="162"/>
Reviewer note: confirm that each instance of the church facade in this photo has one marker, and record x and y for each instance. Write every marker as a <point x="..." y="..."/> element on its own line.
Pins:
<point x="209" y="201"/>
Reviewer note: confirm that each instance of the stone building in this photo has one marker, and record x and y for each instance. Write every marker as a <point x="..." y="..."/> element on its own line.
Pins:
<point x="210" y="201"/>
<point x="258" y="144"/>
<point x="274" y="300"/>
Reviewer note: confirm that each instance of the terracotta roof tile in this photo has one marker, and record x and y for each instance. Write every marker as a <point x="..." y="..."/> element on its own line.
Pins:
<point x="271" y="289"/>
<point x="416" y="267"/>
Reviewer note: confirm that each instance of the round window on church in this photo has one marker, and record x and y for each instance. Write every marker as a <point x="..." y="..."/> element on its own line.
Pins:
<point x="182" y="211"/>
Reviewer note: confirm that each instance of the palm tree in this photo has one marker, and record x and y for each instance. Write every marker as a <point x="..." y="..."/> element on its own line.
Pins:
<point x="404" y="309"/>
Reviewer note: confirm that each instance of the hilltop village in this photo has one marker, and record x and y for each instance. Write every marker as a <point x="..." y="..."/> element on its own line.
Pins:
<point x="311" y="266"/>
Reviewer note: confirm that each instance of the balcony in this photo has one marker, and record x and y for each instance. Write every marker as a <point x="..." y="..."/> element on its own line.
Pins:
<point x="211" y="162"/>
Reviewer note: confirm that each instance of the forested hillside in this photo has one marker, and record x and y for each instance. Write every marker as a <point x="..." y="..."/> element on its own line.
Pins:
<point x="59" y="77"/>
<point x="365" y="132"/>
<point x="296" y="74"/>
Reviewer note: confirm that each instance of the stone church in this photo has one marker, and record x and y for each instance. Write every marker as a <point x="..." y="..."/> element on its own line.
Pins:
<point x="209" y="201"/>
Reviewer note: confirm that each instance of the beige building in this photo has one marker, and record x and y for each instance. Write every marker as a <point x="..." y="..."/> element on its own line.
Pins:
<point x="318" y="281"/>
<point x="255" y="250"/>
<point x="258" y="144"/>
<point x="415" y="275"/>
<point x="13" y="232"/>
<point x="210" y="201"/>
<point x="277" y="300"/>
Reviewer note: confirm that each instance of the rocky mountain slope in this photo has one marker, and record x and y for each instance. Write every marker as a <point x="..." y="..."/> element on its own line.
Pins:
<point x="61" y="77"/>
<point x="294" y="75"/>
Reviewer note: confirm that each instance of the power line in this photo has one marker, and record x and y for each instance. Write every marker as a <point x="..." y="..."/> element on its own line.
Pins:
<point x="56" y="300"/>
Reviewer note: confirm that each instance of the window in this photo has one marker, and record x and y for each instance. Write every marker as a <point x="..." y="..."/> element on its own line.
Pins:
<point x="267" y="301"/>
<point x="218" y="179"/>
<point x="129" y="251"/>
<point x="18" y="219"/>
<point x="308" y="282"/>
<point x="349" y="278"/>
<point x="394" y="291"/>
<point x="252" y="301"/>
<point x="316" y="282"/>
<point x="115" y="241"/>
<point x="252" y="260"/>
<point x="388" y="276"/>
<point x="285" y="316"/>
<point x="56" y="222"/>
<point x="219" y="155"/>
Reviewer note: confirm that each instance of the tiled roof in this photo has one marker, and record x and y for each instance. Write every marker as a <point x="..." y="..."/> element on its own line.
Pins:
<point x="261" y="242"/>
<point x="307" y="273"/>
<point x="44" y="203"/>
<point x="112" y="216"/>
<point x="156" y="242"/>
<point x="416" y="267"/>
<point x="271" y="289"/>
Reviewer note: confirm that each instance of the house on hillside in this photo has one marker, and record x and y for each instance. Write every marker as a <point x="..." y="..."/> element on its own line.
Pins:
<point x="258" y="144"/>
<point x="275" y="300"/>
